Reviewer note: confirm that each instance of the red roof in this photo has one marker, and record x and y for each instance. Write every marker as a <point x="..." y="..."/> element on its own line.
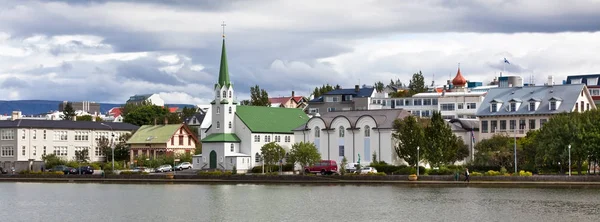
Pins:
<point x="297" y="99"/>
<point x="279" y="100"/>
<point x="173" y="109"/>
<point x="115" y="111"/>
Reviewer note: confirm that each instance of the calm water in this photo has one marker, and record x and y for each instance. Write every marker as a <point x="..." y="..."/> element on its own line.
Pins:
<point x="164" y="202"/>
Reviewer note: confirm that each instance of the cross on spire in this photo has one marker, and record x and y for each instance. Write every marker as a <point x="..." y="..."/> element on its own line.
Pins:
<point x="223" y="24"/>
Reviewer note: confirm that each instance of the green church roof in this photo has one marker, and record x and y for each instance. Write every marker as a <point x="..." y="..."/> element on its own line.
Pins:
<point x="224" y="72"/>
<point x="221" y="137"/>
<point x="262" y="119"/>
<point x="154" y="134"/>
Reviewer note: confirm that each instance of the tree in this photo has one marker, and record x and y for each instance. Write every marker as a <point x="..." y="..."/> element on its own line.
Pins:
<point x="379" y="86"/>
<point x="319" y="91"/>
<point x="495" y="151"/>
<point x="305" y="154"/>
<point x="68" y="112"/>
<point x="147" y="114"/>
<point x="82" y="155"/>
<point x="103" y="145"/>
<point x="85" y="118"/>
<point x="99" y="119"/>
<point x="245" y="102"/>
<point x="272" y="153"/>
<point x="410" y="134"/>
<point x="440" y="146"/>
<point x="187" y="112"/>
<point x="51" y="160"/>
<point x="198" y="149"/>
<point x="259" y="97"/>
<point x="417" y="84"/>
<point x="374" y="158"/>
<point x="343" y="165"/>
<point x="121" y="148"/>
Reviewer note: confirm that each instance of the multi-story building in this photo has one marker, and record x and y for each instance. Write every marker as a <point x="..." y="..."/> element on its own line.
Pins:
<point x="85" y="106"/>
<point x="344" y="100"/>
<point x="153" y="99"/>
<point x="518" y="110"/>
<point x="23" y="142"/>
<point x="591" y="81"/>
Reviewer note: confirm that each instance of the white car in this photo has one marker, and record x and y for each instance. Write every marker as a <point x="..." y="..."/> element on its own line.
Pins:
<point x="366" y="170"/>
<point x="163" y="168"/>
<point x="184" y="165"/>
<point x="351" y="167"/>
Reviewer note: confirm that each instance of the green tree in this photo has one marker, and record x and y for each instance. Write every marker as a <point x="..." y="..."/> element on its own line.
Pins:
<point x="82" y="155"/>
<point x="272" y="153"/>
<point x="379" y="86"/>
<point x="187" y="112"/>
<point x="198" y="149"/>
<point x="319" y="91"/>
<point x="121" y="147"/>
<point x="374" y="158"/>
<point x="417" y="84"/>
<point x="259" y="97"/>
<point x="305" y="154"/>
<point x="495" y="151"/>
<point x="103" y="145"/>
<point x="245" y="102"/>
<point x="85" y="118"/>
<point x="440" y="146"/>
<point x="68" y="112"/>
<point x="343" y="165"/>
<point x="410" y="134"/>
<point x="99" y="119"/>
<point x="147" y="115"/>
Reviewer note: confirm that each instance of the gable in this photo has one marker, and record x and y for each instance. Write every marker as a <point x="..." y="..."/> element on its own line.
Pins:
<point x="155" y="133"/>
<point x="260" y="119"/>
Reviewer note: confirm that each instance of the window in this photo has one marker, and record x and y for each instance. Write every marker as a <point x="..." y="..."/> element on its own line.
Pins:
<point x="471" y="105"/>
<point x="434" y="102"/>
<point x="23" y="131"/>
<point x="447" y="107"/>
<point x="542" y="122"/>
<point x="513" y="107"/>
<point x="257" y="158"/>
<point x="98" y="152"/>
<point x="367" y="131"/>
<point x="81" y="136"/>
<point x="7" y="151"/>
<point x="230" y="110"/>
<point x="23" y="150"/>
<point x="426" y="113"/>
<point x="494" y="107"/>
<point x="399" y="102"/>
<point x="512" y="124"/>
<point x="335" y="99"/>
<point x="44" y="151"/>
<point x="532" y="124"/>
<point x="579" y="103"/>
<point x="427" y="102"/>
<point x="330" y="109"/>
<point x="278" y="139"/>
<point x="347" y="97"/>
<point x="341" y="150"/>
<point x="317" y="132"/>
<point x="44" y="134"/>
<point x="8" y="134"/>
<point x="416" y="113"/>
<point x="35" y="132"/>
<point x="341" y="132"/>
<point x="552" y="105"/>
<point x="460" y="105"/>
<point x="60" y="135"/>
<point x="288" y="139"/>
<point x="181" y="140"/>
<point x="256" y="138"/>
<point x="232" y="148"/>
<point x="34" y="150"/>
<point x="418" y="102"/>
<point x="408" y="102"/>
<point x="230" y="93"/>
<point x="493" y="126"/>
<point x="224" y="94"/>
<point x="267" y="139"/>
<point x="218" y="110"/>
<point x="218" y="124"/>
<point x="60" y="150"/>
<point x="521" y="125"/>
<point x="502" y="125"/>
<point x="229" y="124"/>
<point x="531" y="106"/>
<point x="484" y="126"/>
<point x="313" y="110"/>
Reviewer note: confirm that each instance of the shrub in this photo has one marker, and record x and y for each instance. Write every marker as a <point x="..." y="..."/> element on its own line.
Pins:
<point x="274" y="168"/>
<point x="27" y="172"/>
<point x="441" y="171"/>
<point x="405" y="170"/>
<point x="95" y="166"/>
<point x="476" y="174"/>
<point x="133" y="173"/>
<point x="525" y="173"/>
<point x="492" y="173"/>
<point x="386" y="168"/>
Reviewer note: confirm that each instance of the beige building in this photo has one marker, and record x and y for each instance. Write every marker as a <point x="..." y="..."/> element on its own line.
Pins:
<point x="23" y="142"/>
<point x="517" y="110"/>
<point x="155" y="140"/>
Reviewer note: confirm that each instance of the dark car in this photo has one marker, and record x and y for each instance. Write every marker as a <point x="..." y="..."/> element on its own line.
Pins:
<point x="64" y="169"/>
<point x="2" y="171"/>
<point x="84" y="170"/>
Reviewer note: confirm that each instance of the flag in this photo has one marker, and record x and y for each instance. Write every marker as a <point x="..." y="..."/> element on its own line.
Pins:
<point x="506" y="61"/>
<point x="472" y="136"/>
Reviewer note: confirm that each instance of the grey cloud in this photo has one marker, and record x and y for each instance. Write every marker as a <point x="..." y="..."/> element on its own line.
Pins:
<point x="15" y="83"/>
<point x="141" y="72"/>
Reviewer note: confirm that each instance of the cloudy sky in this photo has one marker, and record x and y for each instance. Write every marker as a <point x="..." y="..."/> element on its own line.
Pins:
<point x="106" y="51"/>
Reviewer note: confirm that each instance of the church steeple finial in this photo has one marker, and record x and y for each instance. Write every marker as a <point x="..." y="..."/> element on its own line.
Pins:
<point x="224" y="71"/>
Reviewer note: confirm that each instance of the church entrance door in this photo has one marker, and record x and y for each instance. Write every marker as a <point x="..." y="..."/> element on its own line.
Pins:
<point x="213" y="159"/>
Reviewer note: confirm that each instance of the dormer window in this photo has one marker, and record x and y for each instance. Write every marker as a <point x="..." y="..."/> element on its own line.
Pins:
<point x="531" y="106"/>
<point x="534" y="103"/>
<point x="494" y="107"/>
<point x="552" y="105"/>
<point x="495" y="104"/>
<point x="513" y="107"/>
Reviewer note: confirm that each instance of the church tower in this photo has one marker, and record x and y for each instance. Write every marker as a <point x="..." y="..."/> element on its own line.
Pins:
<point x="223" y="107"/>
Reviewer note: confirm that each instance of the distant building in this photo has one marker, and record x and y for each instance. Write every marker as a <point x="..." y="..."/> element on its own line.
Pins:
<point x="23" y="142"/>
<point x="591" y="81"/>
<point x="289" y="101"/>
<point x="343" y="100"/>
<point x="156" y="140"/>
<point x="510" y="81"/>
<point x="86" y="106"/>
<point x="153" y="99"/>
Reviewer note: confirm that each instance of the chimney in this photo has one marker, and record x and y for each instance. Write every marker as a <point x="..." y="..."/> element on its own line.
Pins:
<point x="293" y="93"/>
<point x="356" y="88"/>
<point x="16" y="115"/>
<point x="166" y="121"/>
<point x="550" y="80"/>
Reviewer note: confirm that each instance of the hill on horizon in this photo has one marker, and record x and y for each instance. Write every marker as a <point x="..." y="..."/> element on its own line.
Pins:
<point x="38" y="107"/>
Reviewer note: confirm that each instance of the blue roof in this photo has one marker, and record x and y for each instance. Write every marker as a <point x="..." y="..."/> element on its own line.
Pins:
<point x="567" y="94"/>
<point x="588" y="79"/>
<point x="362" y="92"/>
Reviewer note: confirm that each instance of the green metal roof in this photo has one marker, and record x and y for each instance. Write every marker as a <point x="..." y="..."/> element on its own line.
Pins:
<point x="262" y="119"/>
<point x="224" y="72"/>
<point x="221" y="137"/>
<point x="154" y="133"/>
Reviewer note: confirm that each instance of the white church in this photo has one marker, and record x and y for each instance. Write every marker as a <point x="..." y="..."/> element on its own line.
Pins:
<point x="237" y="133"/>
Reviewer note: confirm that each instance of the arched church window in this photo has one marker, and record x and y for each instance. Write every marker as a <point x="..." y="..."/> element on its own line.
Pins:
<point x="229" y="93"/>
<point x="218" y="125"/>
<point x="224" y="94"/>
<point x="232" y="147"/>
<point x="317" y="132"/>
<point x="367" y="131"/>
<point x="229" y="124"/>
<point x="230" y="110"/>
<point x="342" y="132"/>
<point x="218" y="110"/>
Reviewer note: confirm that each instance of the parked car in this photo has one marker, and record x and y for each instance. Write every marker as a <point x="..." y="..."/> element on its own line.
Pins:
<point x="323" y="167"/>
<point x="351" y="167"/>
<point x="64" y="169"/>
<point x="84" y="170"/>
<point x="164" y="168"/>
<point x="183" y="165"/>
<point x="366" y="170"/>
<point x="2" y="171"/>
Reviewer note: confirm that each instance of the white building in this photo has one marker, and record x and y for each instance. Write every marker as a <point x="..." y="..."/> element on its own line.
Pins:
<point x="237" y="133"/>
<point x="23" y="142"/>
<point x="352" y="134"/>
<point x="153" y="99"/>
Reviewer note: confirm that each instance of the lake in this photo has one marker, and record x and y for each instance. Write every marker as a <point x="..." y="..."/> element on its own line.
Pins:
<point x="190" y="202"/>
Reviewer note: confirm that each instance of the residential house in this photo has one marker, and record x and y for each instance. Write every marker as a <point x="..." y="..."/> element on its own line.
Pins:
<point x="343" y="100"/>
<point x="23" y="142"/>
<point x="197" y="121"/>
<point x="355" y="135"/>
<point x="592" y="81"/>
<point x="237" y="133"/>
<point x="517" y="110"/>
<point x="153" y="99"/>
<point x="289" y="101"/>
<point x="156" y="140"/>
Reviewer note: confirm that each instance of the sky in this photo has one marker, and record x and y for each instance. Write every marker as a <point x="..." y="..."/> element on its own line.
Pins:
<point x="107" y="51"/>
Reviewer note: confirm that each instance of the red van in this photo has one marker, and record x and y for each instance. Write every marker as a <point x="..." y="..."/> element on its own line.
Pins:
<point x="323" y="167"/>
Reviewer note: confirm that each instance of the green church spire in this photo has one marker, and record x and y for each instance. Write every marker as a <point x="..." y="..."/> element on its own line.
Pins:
<point x="224" y="72"/>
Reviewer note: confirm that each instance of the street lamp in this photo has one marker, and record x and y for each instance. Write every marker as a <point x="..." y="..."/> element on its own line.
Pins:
<point x="569" y="159"/>
<point x="417" y="161"/>
<point x="112" y="146"/>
